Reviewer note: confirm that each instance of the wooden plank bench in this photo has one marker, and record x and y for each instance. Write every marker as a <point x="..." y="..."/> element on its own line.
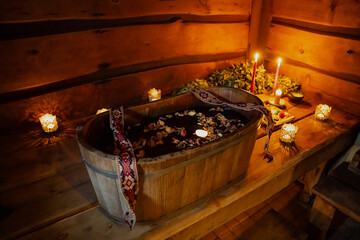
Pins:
<point x="340" y="190"/>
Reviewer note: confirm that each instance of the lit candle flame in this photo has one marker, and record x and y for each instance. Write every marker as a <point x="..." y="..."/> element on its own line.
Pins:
<point x="256" y="57"/>
<point x="101" y="110"/>
<point x="279" y="61"/>
<point x="201" y="133"/>
<point x="278" y="92"/>
<point x="154" y="94"/>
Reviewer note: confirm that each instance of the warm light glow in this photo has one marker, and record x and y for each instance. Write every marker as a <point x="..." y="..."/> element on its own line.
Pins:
<point x="322" y="111"/>
<point x="279" y="61"/>
<point x="201" y="133"/>
<point x="288" y="132"/>
<point x="256" y="57"/>
<point x="48" y="122"/>
<point x="278" y="93"/>
<point x="154" y="94"/>
<point x="102" y="110"/>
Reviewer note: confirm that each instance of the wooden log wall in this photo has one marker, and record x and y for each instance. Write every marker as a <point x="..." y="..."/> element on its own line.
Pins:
<point x="319" y="42"/>
<point x="71" y="58"/>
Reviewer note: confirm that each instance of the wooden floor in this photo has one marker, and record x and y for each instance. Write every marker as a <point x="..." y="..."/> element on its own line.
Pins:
<point x="293" y="210"/>
<point x="45" y="192"/>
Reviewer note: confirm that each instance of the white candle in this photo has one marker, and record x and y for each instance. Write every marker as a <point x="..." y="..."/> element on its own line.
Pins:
<point x="154" y="94"/>
<point x="322" y="111"/>
<point x="48" y="123"/>
<point x="278" y="93"/>
<point x="277" y="73"/>
<point x="288" y="132"/>
<point x="201" y="133"/>
<point x="252" y="87"/>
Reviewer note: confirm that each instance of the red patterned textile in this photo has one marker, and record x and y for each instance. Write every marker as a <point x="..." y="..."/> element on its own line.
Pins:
<point x="126" y="165"/>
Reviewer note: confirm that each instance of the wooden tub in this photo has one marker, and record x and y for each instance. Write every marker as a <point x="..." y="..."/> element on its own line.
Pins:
<point x="170" y="181"/>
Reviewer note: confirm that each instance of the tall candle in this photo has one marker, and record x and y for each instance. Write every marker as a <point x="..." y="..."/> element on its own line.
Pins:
<point x="252" y="88"/>
<point x="277" y="73"/>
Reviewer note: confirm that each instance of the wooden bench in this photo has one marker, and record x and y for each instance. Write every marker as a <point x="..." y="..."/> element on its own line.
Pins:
<point x="340" y="190"/>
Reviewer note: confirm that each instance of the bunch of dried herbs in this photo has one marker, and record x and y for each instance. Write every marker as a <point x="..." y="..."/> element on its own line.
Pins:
<point x="240" y="76"/>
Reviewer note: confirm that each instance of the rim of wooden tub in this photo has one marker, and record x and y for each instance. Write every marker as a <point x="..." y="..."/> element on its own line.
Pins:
<point x="238" y="135"/>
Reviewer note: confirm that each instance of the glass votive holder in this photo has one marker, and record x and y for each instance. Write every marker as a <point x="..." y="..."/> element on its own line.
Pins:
<point x="322" y="111"/>
<point x="154" y="94"/>
<point x="48" y="123"/>
<point x="288" y="132"/>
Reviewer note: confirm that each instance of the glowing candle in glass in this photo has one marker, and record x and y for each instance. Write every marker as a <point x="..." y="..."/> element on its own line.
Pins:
<point x="278" y="93"/>
<point x="201" y="133"/>
<point x="288" y="132"/>
<point x="277" y="73"/>
<point x="322" y="111"/>
<point x="252" y="88"/>
<point x="154" y="94"/>
<point x="102" y="110"/>
<point x="48" y="123"/>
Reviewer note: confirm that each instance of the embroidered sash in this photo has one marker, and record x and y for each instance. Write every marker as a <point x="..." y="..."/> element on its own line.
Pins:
<point x="126" y="166"/>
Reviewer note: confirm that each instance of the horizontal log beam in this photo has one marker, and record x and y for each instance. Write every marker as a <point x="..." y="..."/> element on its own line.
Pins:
<point x="342" y="13"/>
<point x="31" y="62"/>
<point x="333" y="55"/>
<point x="11" y="31"/>
<point x="344" y="32"/>
<point x="104" y="75"/>
<point x="271" y="57"/>
<point x="43" y="10"/>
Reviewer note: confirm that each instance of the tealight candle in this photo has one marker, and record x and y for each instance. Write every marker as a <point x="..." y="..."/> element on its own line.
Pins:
<point x="154" y="94"/>
<point x="201" y="133"/>
<point x="252" y="87"/>
<point x="322" y="111"/>
<point x="48" y="123"/>
<point x="277" y="73"/>
<point x="102" y="110"/>
<point x="278" y="93"/>
<point x="288" y="132"/>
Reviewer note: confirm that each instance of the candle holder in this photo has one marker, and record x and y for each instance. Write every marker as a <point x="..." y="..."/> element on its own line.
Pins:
<point x="288" y="132"/>
<point x="48" y="123"/>
<point x="277" y="101"/>
<point x="154" y="94"/>
<point x="322" y="111"/>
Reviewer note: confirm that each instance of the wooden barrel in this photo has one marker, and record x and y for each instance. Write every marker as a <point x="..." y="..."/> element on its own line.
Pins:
<point x="174" y="180"/>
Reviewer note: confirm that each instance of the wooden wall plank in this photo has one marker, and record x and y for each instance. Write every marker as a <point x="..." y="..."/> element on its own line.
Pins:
<point x="86" y="99"/>
<point x="37" y="10"/>
<point x="336" y="13"/>
<point x="40" y="60"/>
<point x="334" y="54"/>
